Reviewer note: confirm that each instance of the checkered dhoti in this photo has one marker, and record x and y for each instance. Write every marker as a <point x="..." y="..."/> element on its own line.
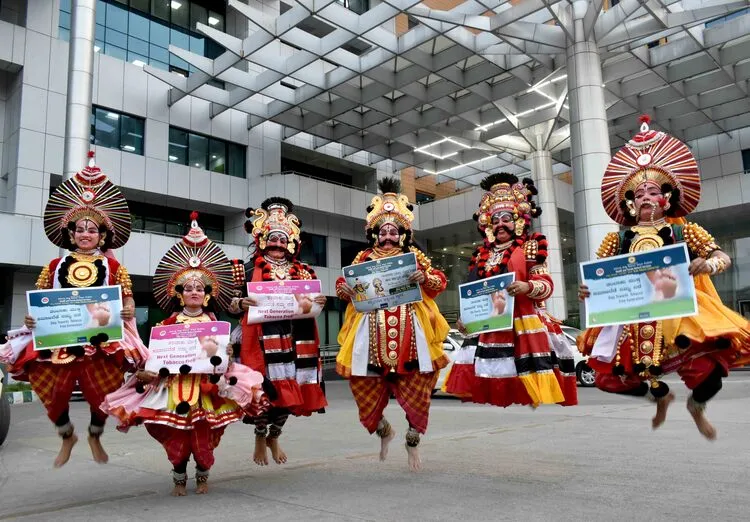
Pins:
<point x="54" y="383"/>
<point x="200" y="441"/>
<point x="413" y="392"/>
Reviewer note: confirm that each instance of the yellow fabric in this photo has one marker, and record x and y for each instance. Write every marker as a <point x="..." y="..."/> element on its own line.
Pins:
<point x="189" y="385"/>
<point x="543" y="388"/>
<point x="433" y="324"/>
<point x="527" y="324"/>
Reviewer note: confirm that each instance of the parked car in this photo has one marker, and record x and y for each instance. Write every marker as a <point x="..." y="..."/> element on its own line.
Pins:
<point x="584" y="374"/>
<point x="4" y="410"/>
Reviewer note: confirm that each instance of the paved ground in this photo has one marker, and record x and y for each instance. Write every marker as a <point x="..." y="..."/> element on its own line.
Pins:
<point x="597" y="461"/>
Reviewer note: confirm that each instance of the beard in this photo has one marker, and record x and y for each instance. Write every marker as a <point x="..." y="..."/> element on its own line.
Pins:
<point x="499" y="229"/>
<point x="387" y="243"/>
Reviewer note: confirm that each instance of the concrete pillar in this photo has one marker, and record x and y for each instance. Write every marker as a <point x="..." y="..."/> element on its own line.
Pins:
<point x="589" y="138"/>
<point x="548" y="224"/>
<point x="80" y="87"/>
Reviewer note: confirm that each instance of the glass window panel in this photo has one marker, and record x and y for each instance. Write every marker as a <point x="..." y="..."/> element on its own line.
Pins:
<point x="138" y="46"/>
<point x="160" y="9"/>
<point x="137" y="223"/>
<point x="64" y="20"/>
<point x="179" y="38"/>
<point x="197" y="151"/>
<point x="216" y="20"/>
<point x="179" y="63"/>
<point x="197" y="45"/>
<point x="116" y="38"/>
<point x="158" y="53"/>
<point x="236" y="160"/>
<point x="159" y="34"/>
<point x="131" y="134"/>
<point x="138" y="25"/>
<point x="154" y="225"/>
<point x="217" y="156"/>
<point x="99" y="32"/>
<point x="313" y="250"/>
<point x="63" y="34"/>
<point x="116" y="52"/>
<point x="174" y="228"/>
<point x="141" y="5"/>
<point x="65" y="6"/>
<point x="198" y="13"/>
<point x="213" y="50"/>
<point x="101" y="12"/>
<point x="178" y="146"/>
<point x="158" y="64"/>
<point x="137" y="59"/>
<point x="180" y="13"/>
<point x="214" y="235"/>
<point x="107" y="132"/>
<point x="117" y="18"/>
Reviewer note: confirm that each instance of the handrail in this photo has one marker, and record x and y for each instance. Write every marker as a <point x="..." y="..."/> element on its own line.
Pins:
<point x="302" y="174"/>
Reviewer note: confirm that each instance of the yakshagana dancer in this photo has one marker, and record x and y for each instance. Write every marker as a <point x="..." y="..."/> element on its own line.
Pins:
<point x="396" y="351"/>
<point x="649" y="186"/>
<point x="188" y="412"/>
<point x="287" y="353"/>
<point x="532" y="363"/>
<point x="88" y="216"/>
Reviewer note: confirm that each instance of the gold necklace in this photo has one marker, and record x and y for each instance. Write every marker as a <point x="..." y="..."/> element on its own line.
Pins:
<point x="82" y="272"/>
<point x="648" y="237"/>
<point x="280" y="269"/>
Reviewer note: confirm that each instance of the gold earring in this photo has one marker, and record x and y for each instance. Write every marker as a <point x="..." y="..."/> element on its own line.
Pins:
<point x="101" y="242"/>
<point x="182" y="301"/>
<point x="206" y="299"/>
<point x="631" y="207"/>
<point x="490" y="234"/>
<point x="290" y="247"/>
<point x="401" y="240"/>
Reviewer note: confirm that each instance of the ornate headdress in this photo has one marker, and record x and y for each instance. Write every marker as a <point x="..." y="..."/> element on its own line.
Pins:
<point x="274" y="215"/>
<point x="87" y="195"/>
<point x="655" y="157"/>
<point x="194" y="258"/>
<point x="390" y="207"/>
<point x="506" y="194"/>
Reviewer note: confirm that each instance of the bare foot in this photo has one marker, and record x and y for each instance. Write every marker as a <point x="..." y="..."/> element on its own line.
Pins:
<point x="415" y="463"/>
<point x="100" y="456"/>
<point x="662" y="405"/>
<point x="201" y="488"/>
<point x="67" y="446"/>
<point x="279" y="457"/>
<point x="704" y="427"/>
<point x="179" y="490"/>
<point x="260" y="456"/>
<point x="384" y="442"/>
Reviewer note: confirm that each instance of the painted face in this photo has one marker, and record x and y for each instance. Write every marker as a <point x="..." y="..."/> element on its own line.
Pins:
<point x="502" y="226"/>
<point x="388" y="236"/>
<point x="86" y="235"/>
<point x="647" y="197"/>
<point x="193" y="293"/>
<point x="276" y="245"/>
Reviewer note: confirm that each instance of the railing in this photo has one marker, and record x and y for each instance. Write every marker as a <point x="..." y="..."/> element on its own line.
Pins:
<point x="302" y="174"/>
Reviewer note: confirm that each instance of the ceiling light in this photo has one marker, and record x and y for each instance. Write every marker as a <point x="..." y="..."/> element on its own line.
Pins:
<point x="112" y="116"/>
<point x="175" y="5"/>
<point x="213" y="156"/>
<point x="212" y="20"/>
<point x="197" y="164"/>
<point x="444" y="249"/>
<point x="139" y="63"/>
<point x="128" y="148"/>
<point x="172" y="158"/>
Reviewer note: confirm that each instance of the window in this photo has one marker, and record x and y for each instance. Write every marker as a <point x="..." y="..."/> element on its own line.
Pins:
<point x="314" y="250"/>
<point x="116" y="130"/>
<point x="424" y="197"/>
<point x="202" y="152"/>
<point x="724" y="19"/>
<point x="349" y="250"/>
<point x="358" y="6"/>
<point x="140" y="31"/>
<point x="746" y="160"/>
<point x="176" y="222"/>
